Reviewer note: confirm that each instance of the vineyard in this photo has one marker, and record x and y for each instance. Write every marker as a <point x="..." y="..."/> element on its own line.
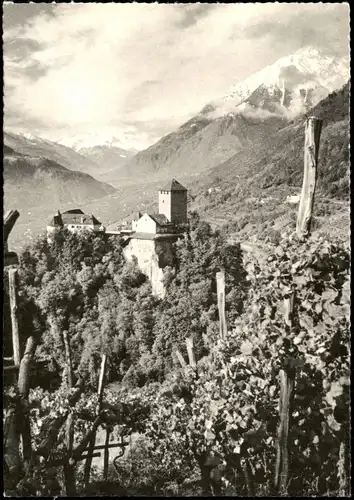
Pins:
<point x="246" y="388"/>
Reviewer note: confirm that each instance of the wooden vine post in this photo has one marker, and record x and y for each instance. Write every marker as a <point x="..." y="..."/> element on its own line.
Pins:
<point x="220" y="288"/>
<point x="313" y="130"/>
<point x="69" y="473"/>
<point x="287" y="382"/>
<point x="13" y="294"/>
<point x="98" y="410"/>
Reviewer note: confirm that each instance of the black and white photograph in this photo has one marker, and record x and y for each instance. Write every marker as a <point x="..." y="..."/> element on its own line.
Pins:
<point x="176" y="249"/>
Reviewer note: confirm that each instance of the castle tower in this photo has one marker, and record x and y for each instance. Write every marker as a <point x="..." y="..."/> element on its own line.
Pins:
<point x="173" y="202"/>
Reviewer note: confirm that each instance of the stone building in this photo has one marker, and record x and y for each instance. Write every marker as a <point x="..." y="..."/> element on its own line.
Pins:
<point x="172" y="211"/>
<point x="74" y="220"/>
<point x="173" y="202"/>
<point x="154" y="234"/>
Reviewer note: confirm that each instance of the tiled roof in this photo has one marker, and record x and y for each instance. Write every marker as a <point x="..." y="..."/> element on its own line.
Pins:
<point x="74" y="211"/>
<point x="173" y="186"/>
<point x="77" y="217"/>
<point x="160" y="219"/>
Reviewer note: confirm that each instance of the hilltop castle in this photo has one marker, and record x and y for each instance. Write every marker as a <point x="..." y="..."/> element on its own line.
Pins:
<point x="172" y="211"/>
<point x="152" y="236"/>
<point x="149" y="239"/>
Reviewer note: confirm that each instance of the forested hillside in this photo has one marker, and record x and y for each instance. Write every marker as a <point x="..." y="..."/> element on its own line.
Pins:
<point x="248" y="192"/>
<point x="207" y="423"/>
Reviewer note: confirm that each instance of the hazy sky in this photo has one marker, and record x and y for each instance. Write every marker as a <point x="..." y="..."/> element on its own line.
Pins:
<point x="140" y="70"/>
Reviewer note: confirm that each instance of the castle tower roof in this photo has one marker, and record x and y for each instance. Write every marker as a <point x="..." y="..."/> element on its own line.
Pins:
<point x="173" y="186"/>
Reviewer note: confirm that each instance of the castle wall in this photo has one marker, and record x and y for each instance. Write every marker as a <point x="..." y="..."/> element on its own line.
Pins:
<point x="179" y="207"/>
<point x="145" y="225"/>
<point x="173" y="204"/>
<point x="152" y="257"/>
<point x="165" y="204"/>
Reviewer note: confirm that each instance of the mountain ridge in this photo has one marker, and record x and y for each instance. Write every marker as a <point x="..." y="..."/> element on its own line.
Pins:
<point x="270" y="97"/>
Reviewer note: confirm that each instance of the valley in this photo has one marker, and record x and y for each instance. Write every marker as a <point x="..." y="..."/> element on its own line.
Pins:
<point x="177" y="261"/>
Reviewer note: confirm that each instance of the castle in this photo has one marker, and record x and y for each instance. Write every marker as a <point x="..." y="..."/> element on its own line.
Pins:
<point x="152" y="236"/>
<point x="149" y="239"/>
<point x="172" y="211"/>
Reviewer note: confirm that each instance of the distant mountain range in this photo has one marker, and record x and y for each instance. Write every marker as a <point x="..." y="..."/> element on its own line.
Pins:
<point x="37" y="185"/>
<point x="106" y="151"/>
<point x="238" y="149"/>
<point x="250" y="112"/>
<point x="37" y="181"/>
<point x="34" y="146"/>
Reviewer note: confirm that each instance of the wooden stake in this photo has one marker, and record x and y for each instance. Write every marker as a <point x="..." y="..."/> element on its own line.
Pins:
<point x="106" y="456"/>
<point x="68" y="359"/>
<point x="9" y="222"/>
<point x="13" y="284"/>
<point x="70" y="488"/>
<point x="313" y="130"/>
<point x="220" y="287"/>
<point x="101" y="381"/>
<point x="287" y="382"/>
<point x="98" y="409"/>
<point x="111" y="445"/>
<point x="191" y="356"/>
<point x="180" y="359"/>
<point x="23" y="387"/>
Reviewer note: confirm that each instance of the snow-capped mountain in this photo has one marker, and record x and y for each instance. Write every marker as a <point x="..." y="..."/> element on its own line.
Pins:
<point x="251" y="110"/>
<point x="291" y="85"/>
<point x="91" y="140"/>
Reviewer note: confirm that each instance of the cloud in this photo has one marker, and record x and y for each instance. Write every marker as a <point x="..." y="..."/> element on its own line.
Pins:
<point x="89" y="67"/>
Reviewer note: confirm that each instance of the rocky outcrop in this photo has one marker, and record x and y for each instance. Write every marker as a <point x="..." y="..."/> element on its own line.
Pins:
<point x="153" y="255"/>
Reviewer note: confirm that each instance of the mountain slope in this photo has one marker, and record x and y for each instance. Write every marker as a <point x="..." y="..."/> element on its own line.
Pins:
<point x="107" y="157"/>
<point x="253" y="109"/>
<point x="35" y="181"/>
<point x="249" y="190"/>
<point x="30" y="145"/>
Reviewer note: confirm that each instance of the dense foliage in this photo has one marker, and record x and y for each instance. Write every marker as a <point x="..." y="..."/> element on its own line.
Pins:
<point x="228" y="408"/>
<point x="217" y="423"/>
<point x="83" y="285"/>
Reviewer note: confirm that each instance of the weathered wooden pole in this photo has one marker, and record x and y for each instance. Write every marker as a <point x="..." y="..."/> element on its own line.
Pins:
<point x="10" y="258"/>
<point x="9" y="222"/>
<point x="98" y="409"/>
<point x="190" y="351"/>
<point x="69" y="367"/>
<point x="287" y="382"/>
<point x="23" y="387"/>
<point x="220" y="288"/>
<point x="313" y="130"/>
<point x="69" y="473"/>
<point x="106" y="455"/>
<point x="13" y="284"/>
<point x="180" y="359"/>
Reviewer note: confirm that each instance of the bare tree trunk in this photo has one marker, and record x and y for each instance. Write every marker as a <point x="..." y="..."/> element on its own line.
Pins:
<point x="313" y="130"/>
